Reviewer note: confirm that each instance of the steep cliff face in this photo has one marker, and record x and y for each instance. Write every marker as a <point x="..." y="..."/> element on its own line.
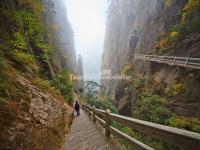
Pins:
<point x="65" y="36"/>
<point x="36" y="57"/>
<point x="141" y="27"/>
<point x="144" y="20"/>
<point x="56" y="20"/>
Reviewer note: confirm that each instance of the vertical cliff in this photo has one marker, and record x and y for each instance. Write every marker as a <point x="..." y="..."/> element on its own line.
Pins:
<point x="65" y="35"/>
<point x="166" y="27"/>
<point x="143" y="21"/>
<point x="80" y="73"/>
<point x="37" y="56"/>
<point x="56" y="20"/>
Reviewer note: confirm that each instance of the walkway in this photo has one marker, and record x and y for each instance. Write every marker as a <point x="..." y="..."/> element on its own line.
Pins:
<point x="187" y="62"/>
<point x="85" y="135"/>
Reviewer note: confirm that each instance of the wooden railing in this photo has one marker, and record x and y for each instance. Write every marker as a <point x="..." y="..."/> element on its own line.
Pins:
<point x="187" y="62"/>
<point x="184" y="139"/>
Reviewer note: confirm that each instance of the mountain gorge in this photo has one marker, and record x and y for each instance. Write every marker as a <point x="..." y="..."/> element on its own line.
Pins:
<point x="40" y="78"/>
<point x="37" y="55"/>
<point x="156" y="92"/>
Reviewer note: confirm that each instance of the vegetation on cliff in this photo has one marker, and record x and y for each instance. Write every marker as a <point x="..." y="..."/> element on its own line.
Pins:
<point x="28" y="48"/>
<point x="159" y="93"/>
<point x="63" y="83"/>
<point x="188" y="25"/>
<point x="90" y="95"/>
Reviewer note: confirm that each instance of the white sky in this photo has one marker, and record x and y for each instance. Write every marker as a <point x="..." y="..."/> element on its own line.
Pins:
<point x="87" y="18"/>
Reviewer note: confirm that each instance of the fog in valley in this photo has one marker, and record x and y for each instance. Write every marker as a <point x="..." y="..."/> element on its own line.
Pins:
<point x="88" y="21"/>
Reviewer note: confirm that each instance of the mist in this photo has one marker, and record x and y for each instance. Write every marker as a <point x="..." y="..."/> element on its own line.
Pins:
<point x="88" y="21"/>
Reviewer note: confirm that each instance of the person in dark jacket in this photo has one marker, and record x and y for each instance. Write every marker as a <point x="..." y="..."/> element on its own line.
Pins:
<point x="77" y="108"/>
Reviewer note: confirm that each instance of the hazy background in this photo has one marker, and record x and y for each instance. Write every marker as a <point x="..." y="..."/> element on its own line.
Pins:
<point x="88" y="20"/>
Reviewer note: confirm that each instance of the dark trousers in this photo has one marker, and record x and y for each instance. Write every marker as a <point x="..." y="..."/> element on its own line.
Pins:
<point x="78" y="112"/>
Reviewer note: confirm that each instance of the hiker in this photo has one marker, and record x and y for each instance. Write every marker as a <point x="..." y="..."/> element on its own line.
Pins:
<point x="77" y="108"/>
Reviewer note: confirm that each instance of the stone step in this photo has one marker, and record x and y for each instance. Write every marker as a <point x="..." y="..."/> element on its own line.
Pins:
<point x="85" y="135"/>
<point x="82" y="139"/>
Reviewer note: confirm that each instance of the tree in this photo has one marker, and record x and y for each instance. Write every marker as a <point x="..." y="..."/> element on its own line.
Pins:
<point x="63" y="83"/>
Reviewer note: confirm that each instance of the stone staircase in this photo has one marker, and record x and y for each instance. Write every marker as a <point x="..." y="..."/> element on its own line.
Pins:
<point x="85" y="135"/>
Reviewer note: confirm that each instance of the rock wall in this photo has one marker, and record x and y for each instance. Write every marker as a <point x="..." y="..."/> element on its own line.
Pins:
<point x="64" y="56"/>
<point x="36" y="44"/>
<point x="39" y="120"/>
<point x="65" y="36"/>
<point x="134" y="26"/>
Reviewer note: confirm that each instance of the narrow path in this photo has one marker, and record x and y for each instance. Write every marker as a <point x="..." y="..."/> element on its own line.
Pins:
<point x="85" y="135"/>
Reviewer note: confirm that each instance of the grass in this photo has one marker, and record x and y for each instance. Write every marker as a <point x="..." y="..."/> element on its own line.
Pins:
<point x="45" y="85"/>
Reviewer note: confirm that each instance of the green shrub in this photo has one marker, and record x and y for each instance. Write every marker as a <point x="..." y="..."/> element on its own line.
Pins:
<point x="23" y="57"/>
<point x="27" y="22"/>
<point x="188" y="123"/>
<point x="144" y="138"/>
<point x="10" y="88"/>
<point x="137" y="83"/>
<point x="19" y="41"/>
<point x="63" y="83"/>
<point x="151" y="107"/>
<point x="34" y="6"/>
<point x="187" y="27"/>
<point x="103" y="104"/>
<point x="189" y="23"/>
<point x="25" y="61"/>
<point x="46" y="48"/>
<point x="178" y="88"/>
<point x="190" y="8"/>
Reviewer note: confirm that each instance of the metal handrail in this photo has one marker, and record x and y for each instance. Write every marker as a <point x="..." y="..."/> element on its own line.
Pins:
<point x="185" y="139"/>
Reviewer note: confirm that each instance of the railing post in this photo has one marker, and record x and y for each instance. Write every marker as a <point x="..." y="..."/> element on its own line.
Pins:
<point x="162" y="59"/>
<point x="89" y="110"/>
<point x="107" y="119"/>
<point x="174" y="60"/>
<point x="94" y="119"/>
<point x="186" y="63"/>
